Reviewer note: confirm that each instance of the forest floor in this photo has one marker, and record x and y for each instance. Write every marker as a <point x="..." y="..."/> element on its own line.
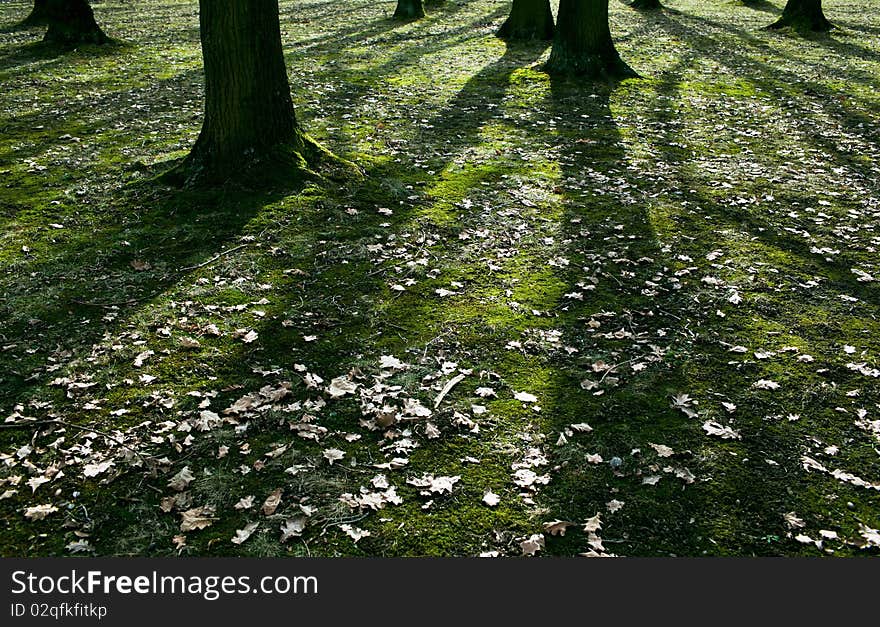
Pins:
<point x="644" y="313"/>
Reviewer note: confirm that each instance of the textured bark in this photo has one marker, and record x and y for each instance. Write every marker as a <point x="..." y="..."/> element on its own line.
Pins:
<point x="249" y="122"/>
<point x="646" y="5"/>
<point x="72" y="22"/>
<point x="38" y="15"/>
<point x="803" y="15"/>
<point x="582" y="45"/>
<point x="409" y="10"/>
<point x="529" y="19"/>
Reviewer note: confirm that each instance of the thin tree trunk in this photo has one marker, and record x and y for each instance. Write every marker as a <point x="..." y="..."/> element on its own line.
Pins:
<point x="72" y="22"/>
<point x="529" y="19"/>
<point x="409" y="10"/>
<point x="250" y="131"/>
<point x="583" y="45"/>
<point x="646" y="5"/>
<point x="38" y="15"/>
<point x="803" y="15"/>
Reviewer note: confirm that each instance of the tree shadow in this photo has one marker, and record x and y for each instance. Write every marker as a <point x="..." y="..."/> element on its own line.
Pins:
<point x="610" y="223"/>
<point x="147" y="238"/>
<point x="49" y="51"/>
<point x="760" y="5"/>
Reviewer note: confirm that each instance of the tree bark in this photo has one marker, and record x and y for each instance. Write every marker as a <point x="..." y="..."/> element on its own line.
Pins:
<point x="582" y="45"/>
<point x="646" y="5"/>
<point x="250" y="130"/>
<point x="529" y="19"/>
<point x="72" y="22"/>
<point x="38" y="15"/>
<point x="409" y="10"/>
<point x="805" y="15"/>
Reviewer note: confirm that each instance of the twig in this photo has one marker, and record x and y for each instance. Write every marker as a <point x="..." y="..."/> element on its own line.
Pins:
<point x="121" y="303"/>
<point x="57" y="421"/>
<point x="615" y="366"/>
<point x="451" y="384"/>
<point x="214" y="258"/>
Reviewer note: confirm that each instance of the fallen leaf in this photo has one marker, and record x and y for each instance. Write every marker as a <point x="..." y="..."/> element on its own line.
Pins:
<point x="272" y="501"/>
<point x="592" y="525"/>
<point x="340" y="386"/>
<point x="333" y="454"/>
<point x="197" y="518"/>
<point x="355" y="533"/>
<point x="39" y="512"/>
<point x="662" y="450"/>
<point x="614" y="505"/>
<point x="243" y="534"/>
<point x="713" y="428"/>
<point x="293" y="528"/>
<point x="557" y="527"/>
<point x="245" y="503"/>
<point x="491" y="499"/>
<point x="181" y="480"/>
<point x="525" y="397"/>
<point x="532" y="544"/>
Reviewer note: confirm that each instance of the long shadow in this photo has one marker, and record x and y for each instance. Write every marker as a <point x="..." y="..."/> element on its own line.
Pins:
<point x="611" y="231"/>
<point x="46" y="51"/>
<point x="339" y="282"/>
<point x="774" y="81"/>
<point x="760" y="5"/>
<point x="142" y="234"/>
<point x="62" y="298"/>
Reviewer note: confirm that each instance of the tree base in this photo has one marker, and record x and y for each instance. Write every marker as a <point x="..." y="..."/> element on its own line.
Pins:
<point x="36" y="19"/>
<point x="409" y="12"/>
<point x="68" y="37"/>
<point x="283" y="165"/>
<point x="646" y="5"/>
<point x="803" y="24"/>
<point x="526" y="31"/>
<point x="593" y="67"/>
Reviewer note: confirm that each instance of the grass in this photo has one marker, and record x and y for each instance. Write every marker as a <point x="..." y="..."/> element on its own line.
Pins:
<point x="602" y="248"/>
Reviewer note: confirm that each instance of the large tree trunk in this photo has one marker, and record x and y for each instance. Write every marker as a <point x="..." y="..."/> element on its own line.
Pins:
<point x="803" y="15"/>
<point x="72" y="22"/>
<point x="646" y="5"/>
<point x="249" y="132"/>
<point x="583" y="45"/>
<point x="409" y="10"/>
<point x="529" y="19"/>
<point x="38" y="16"/>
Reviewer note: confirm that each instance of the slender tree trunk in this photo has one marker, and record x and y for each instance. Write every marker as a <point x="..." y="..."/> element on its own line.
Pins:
<point x="804" y="15"/>
<point x="409" y="10"/>
<point x="583" y="45"/>
<point x="250" y="131"/>
<point x="38" y="15"/>
<point x="646" y="5"/>
<point x="72" y="22"/>
<point x="529" y="19"/>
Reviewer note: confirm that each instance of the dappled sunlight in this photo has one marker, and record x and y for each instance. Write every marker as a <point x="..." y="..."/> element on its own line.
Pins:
<point x="646" y="311"/>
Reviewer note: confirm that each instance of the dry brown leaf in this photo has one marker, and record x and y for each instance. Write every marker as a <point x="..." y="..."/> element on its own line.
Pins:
<point x="197" y="518"/>
<point x="272" y="501"/>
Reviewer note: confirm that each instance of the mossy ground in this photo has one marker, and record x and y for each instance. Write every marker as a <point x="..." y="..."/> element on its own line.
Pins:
<point x="570" y="225"/>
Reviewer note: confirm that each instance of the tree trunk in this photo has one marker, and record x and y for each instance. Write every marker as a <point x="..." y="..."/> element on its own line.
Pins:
<point x="805" y="15"/>
<point x="38" y="15"/>
<point x="646" y="5"/>
<point x="529" y="19"/>
<point x="72" y="22"/>
<point x="582" y="45"/>
<point x="409" y="10"/>
<point x="249" y="132"/>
